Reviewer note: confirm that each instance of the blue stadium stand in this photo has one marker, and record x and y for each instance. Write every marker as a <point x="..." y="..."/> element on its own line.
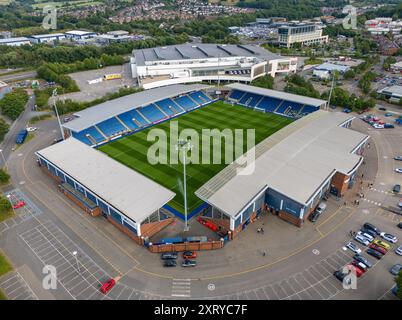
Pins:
<point x="293" y="109"/>
<point x="127" y="118"/>
<point x="186" y="102"/>
<point x="138" y="117"/>
<point x="236" y="94"/>
<point x="250" y="99"/>
<point x="93" y="133"/>
<point x="204" y="96"/>
<point x="111" y="127"/>
<point x="169" y="107"/>
<point x="308" y="109"/>
<point x="269" y="103"/>
<point x="152" y="113"/>
<point x="199" y="97"/>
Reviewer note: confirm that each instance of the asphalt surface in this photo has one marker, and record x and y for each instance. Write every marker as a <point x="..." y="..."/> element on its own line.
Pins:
<point x="18" y="76"/>
<point x="51" y="228"/>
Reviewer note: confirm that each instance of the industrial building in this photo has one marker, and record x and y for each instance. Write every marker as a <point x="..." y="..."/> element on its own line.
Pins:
<point x="305" y="34"/>
<point x="161" y="66"/>
<point x="80" y="35"/>
<point x="325" y="70"/>
<point x="46" y="38"/>
<point x="15" y="42"/>
<point x="393" y="93"/>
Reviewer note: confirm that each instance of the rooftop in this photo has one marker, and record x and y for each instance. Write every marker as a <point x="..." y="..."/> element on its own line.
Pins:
<point x="50" y="35"/>
<point x="125" y="189"/>
<point x="9" y="40"/>
<point x="200" y="51"/>
<point x="397" y="90"/>
<point x="80" y="32"/>
<point x="294" y="161"/>
<point x="332" y="67"/>
<point x="109" y="109"/>
<point x="278" y="94"/>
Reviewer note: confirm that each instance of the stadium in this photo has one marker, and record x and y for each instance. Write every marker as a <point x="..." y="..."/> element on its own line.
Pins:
<point x="301" y="153"/>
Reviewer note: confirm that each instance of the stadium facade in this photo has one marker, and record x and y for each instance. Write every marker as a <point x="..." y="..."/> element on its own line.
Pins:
<point x="186" y="63"/>
<point x="316" y="154"/>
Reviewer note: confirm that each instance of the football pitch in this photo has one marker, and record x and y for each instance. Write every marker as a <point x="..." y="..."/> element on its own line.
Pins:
<point x="132" y="150"/>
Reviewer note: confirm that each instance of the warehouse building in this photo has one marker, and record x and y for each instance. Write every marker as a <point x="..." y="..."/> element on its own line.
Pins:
<point x="46" y="38"/>
<point x="15" y="42"/>
<point x="392" y="93"/>
<point x="162" y="66"/>
<point x="80" y="35"/>
<point x="293" y="169"/>
<point x="103" y="186"/>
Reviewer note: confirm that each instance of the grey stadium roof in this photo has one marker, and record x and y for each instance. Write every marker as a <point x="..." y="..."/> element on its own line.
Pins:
<point x="125" y="189"/>
<point x="294" y="161"/>
<point x="200" y="51"/>
<point x="109" y="109"/>
<point x="278" y="94"/>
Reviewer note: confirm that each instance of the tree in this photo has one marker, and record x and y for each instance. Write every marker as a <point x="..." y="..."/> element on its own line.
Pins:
<point x="5" y="205"/>
<point x="4" y="127"/>
<point x="350" y="74"/>
<point x="266" y="81"/>
<point x="398" y="281"/>
<point x="13" y="103"/>
<point x="4" y="176"/>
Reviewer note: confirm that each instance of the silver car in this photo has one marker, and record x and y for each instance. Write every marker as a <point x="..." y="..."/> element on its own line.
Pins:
<point x="389" y="237"/>
<point x="351" y="246"/>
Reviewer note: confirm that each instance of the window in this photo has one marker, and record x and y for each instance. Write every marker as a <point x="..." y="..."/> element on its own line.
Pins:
<point x="237" y="222"/>
<point x="115" y="215"/>
<point x="247" y="213"/>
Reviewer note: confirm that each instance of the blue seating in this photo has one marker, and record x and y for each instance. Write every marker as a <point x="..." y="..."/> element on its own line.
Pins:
<point x="166" y="105"/>
<point x="185" y="102"/>
<point x="269" y="103"/>
<point x="127" y="118"/>
<point x="250" y="99"/>
<point x="95" y="135"/>
<point x="134" y="114"/>
<point x="111" y="127"/>
<point x="294" y="109"/>
<point x="204" y="96"/>
<point x="309" y="109"/>
<point x="152" y="113"/>
<point x="196" y="97"/>
<point x="236" y="94"/>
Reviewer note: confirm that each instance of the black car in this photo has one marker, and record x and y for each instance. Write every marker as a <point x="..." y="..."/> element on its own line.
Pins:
<point x="399" y="225"/>
<point x="169" y="263"/>
<point x="169" y="256"/>
<point x="382" y="109"/>
<point x="314" y="216"/>
<point x="371" y="227"/>
<point x="363" y="260"/>
<point x="189" y="263"/>
<point x="369" y="231"/>
<point x="374" y="253"/>
<point x="340" y="276"/>
<point x="396" y="188"/>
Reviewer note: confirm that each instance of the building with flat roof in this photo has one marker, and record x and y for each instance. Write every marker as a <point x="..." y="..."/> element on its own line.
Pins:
<point x="46" y="38"/>
<point x="292" y="170"/>
<point x="80" y="34"/>
<point x="305" y="34"/>
<point x="15" y="42"/>
<point x="393" y="93"/>
<point x="396" y="67"/>
<point x="161" y="66"/>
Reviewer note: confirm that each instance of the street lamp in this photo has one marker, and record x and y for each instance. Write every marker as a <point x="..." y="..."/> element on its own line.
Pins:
<point x="76" y="259"/>
<point x="9" y="199"/>
<point x="184" y="145"/>
<point x="4" y="159"/>
<point x="330" y="92"/>
<point x="54" y="94"/>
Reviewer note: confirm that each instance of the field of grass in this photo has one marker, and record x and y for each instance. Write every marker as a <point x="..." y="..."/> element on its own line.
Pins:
<point x="132" y="150"/>
<point x="5" y="266"/>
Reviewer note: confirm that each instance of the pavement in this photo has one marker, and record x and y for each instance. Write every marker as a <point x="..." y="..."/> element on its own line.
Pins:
<point x="18" y="76"/>
<point x="298" y="263"/>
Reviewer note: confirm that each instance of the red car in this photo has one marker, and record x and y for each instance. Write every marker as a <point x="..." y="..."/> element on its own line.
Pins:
<point x="107" y="286"/>
<point x="19" y="204"/>
<point x="189" y="255"/>
<point x="378" y="248"/>
<point x="358" y="271"/>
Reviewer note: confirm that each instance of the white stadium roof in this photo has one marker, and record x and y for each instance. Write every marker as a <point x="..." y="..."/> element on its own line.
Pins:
<point x="109" y="109"/>
<point x="128" y="191"/>
<point x="277" y="94"/>
<point x="294" y="161"/>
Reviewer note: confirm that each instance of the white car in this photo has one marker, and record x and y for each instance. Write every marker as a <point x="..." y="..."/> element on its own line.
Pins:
<point x="359" y="238"/>
<point x="399" y="158"/>
<point x="31" y="129"/>
<point x="399" y="170"/>
<point x="351" y="246"/>
<point x="369" y="237"/>
<point x="378" y="126"/>
<point x="398" y="251"/>
<point x="389" y="237"/>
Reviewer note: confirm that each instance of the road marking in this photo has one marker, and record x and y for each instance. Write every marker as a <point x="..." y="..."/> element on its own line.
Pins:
<point x="316" y="252"/>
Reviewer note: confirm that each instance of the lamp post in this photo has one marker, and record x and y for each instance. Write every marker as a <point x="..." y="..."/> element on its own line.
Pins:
<point x="54" y="94"/>
<point x="76" y="259"/>
<point x="9" y="199"/>
<point x="330" y="92"/>
<point x="184" y="145"/>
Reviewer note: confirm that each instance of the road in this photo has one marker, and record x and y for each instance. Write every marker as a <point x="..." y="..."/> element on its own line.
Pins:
<point x="19" y="76"/>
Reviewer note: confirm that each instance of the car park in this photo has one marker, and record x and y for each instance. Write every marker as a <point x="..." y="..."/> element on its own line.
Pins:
<point x="396" y="188"/>
<point x="371" y="227"/>
<point x="359" y="272"/>
<point x="399" y="170"/>
<point x="399" y="158"/>
<point x="363" y="260"/>
<point x="314" y="216"/>
<point x="168" y="255"/>
<point x="389" y="237"/>
<point x="396" y="269"/>
<point x="382" y="244"/>
<point x="19" y="204"/>
<point x="351" y="246"/>
<point x="398" y="251"/>
<point x="189" y="263"/>
<point x="374" y="253"/>
<point x="362" y="240"/>
<point x="107" y="286"/>
<point x="378" y="248"/>
<point x="359" y="265"/>
<point x="189" y="255"/>
<point x="169" y="263"/>
<point x="369" y="231"/>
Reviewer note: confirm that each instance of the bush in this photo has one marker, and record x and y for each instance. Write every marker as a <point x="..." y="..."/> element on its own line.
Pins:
<point x="13" y="103"/>
<point x="4" y="127"/>
<point x="4" y="177"/>
<point x="264" y="82"/>
<point x="5" y="205"/>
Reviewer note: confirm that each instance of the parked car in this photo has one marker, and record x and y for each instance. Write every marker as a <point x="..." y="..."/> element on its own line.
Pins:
<point x="399" y="225"/>
<point x="369" y="231"/>
<point x="378" y="248"/>
<point x="399" y="158"/>
<point x="389" y="237"/>
<point x="363" y="260"/>
<point x="189" y="263"/>
<point x="314" y="216"/>
<point x="359" y="265"/>
<point x="396" y="188"/>
<point x="395" y="269"/>
<point x="21" y="136"/>
<point x="383" y="244"/>
<point x="362" y="240"/>
<point x="351" y="246"/>
<point x="382" y="109"/>
<point x="374" y="253"/>
<point x="366" y="235"/>
<point x="31" y="129"/>
<point x="169" y="263"/>
<point x="371" y="227"/>
<point x="399" y="170"/>
<point x="347" y="110"/>
<point x="107" y="286"/>
<point x="398" y="251"/>
<point x="19" y="204"/>
<point x="359" y="272"/>
<point x="340" y="276"/>
<point x="388" y="114"/>
<point x="168" y="255"/>
<point x="189" y="255"/>
<point x="388" y="126"/>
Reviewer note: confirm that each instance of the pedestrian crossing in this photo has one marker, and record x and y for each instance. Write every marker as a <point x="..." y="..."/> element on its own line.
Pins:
<point x="181" y="288"/>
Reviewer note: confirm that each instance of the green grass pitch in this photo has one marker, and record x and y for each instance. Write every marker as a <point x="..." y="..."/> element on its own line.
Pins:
<point x="132" y="150"/>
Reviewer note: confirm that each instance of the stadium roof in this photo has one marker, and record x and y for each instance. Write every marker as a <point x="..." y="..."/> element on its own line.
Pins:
<point x="200" y="51"/>
<point x="125" y="189"/>
<point x="109" y="109"/>
<point x="278" y="94"/>
<point x="294" y="161"/>
<point x="79" y="32"/>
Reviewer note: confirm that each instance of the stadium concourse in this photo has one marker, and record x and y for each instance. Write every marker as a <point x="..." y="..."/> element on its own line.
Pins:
<point x="294" y="167"/>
